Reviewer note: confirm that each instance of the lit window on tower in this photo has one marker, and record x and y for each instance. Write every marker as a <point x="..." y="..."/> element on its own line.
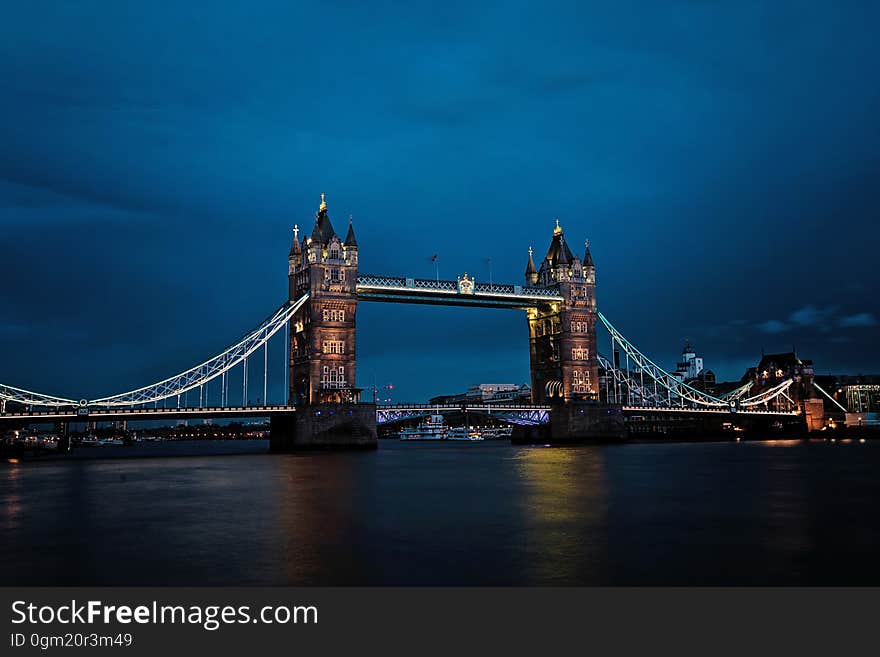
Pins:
<point x="334" y="347"/>
<point x="333" y="377"/>
<point x="333" y="274"/>
<point x="580" y="381"/>
<point x="333" y="315"/>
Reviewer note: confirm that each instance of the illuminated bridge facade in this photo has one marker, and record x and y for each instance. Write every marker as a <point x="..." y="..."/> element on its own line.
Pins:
<point x="316" y="329"/>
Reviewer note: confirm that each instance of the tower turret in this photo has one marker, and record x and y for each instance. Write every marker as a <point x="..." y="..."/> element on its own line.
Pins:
<point x="351" y="245"/>
<point x="555" y="266"/>
<point x="323" y="231"/>
<point x="350" y="240"/>
<point x="588" y="257"/>
<point x="531" y="272"/>
<point x="295" y="255"/>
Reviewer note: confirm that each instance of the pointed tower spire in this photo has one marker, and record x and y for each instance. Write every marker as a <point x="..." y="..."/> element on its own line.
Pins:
<point x="558" y="253"/>
<point x="294" y="247"/>
<point x="350" y="239"/>
<point x="588" y="257"/>
<point x="564" y="252"/>
<point x="531" y="272"/>
<point x="323" y="231"/>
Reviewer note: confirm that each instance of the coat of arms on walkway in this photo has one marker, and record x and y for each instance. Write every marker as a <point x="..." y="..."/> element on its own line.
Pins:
<point x="465" y="284"/>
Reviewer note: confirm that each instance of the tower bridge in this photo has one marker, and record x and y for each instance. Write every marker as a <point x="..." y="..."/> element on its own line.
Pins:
<point x="576" y="390"/>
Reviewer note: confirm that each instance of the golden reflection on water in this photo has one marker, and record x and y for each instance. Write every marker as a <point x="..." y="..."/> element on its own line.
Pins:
<point x="12" y="505"/>
<point x="564" y="504"/>
<point x="315" y="527"/>
<point x="785" y="496"/>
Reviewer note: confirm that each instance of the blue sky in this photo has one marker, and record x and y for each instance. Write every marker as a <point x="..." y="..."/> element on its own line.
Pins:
<point x="722" y="157"/>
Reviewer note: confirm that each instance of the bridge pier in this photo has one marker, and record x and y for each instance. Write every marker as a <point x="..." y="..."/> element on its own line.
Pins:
<point x="585" y="421"/>
<point x="576" y="422"/>
<point x="814" y="414"/>
<point x="324" y="427"/>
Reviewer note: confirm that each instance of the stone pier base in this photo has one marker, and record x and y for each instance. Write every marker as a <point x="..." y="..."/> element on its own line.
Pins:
<point x="325" y="427"/>
<point x="586" y="422"/>
<point x="577" y="422"/>
<point x="814" y="413"/>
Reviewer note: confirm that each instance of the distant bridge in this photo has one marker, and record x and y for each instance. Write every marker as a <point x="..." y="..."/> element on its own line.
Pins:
<point x="523" y="414"/>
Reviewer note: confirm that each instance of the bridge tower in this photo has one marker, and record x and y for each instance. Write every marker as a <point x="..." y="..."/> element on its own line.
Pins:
<point x="562" y="336"/>
<point x="322" y="335"/>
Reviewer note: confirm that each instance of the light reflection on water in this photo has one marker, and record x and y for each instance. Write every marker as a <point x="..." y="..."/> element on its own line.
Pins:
<point x="564" y="508"/>
<point x="427" y="513"/>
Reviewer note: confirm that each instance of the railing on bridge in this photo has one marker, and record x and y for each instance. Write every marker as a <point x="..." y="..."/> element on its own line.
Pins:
<point x="71" y="414"/>
<point x="390" y="287"/>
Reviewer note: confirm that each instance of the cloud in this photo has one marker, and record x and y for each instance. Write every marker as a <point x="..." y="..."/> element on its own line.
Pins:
<point x="825" y="318"/>
<point x="821" y="318"/>
<point x="857" y="320"/>
<point x="773" y="326"/>
<point x="810" y="315"/>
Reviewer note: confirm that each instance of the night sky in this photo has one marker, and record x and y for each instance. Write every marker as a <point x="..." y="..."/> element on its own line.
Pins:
<point x="722" y="158"/>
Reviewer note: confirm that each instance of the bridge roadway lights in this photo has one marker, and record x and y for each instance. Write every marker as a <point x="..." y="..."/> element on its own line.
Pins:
<point x="324" y="427"/>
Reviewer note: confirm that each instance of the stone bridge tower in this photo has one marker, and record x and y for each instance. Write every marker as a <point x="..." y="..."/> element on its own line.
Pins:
<point x="322" y="335"/>
<point x="562" y="336"/>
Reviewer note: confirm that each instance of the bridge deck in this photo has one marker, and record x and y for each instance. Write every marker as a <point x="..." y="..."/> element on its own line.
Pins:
<point x="452" y="293"/>
<point x="145" y="414"/>
<point x="385" y="413"/>
<point x="723" y="411"/>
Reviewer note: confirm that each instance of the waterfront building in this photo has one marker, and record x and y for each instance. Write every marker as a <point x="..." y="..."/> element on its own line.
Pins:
<point x="483" y="392"/>
<point x="690" y="370"/>
<point x="517" y="395"/>
<point x="488" y="393"/>
<point x="773" y="369"/>
<point x="689" y="366"/>
<point x="858" y="394"/>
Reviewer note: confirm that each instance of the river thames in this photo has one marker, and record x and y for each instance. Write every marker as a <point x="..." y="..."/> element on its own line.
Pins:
<point x="448" y="514"/>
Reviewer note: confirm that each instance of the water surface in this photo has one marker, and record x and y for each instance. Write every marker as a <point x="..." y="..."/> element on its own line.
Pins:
<point x="449" y="514"/>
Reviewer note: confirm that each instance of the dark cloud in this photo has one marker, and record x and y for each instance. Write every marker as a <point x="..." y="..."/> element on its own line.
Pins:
<point x="858" y="320"/>
<point x="773" y="326"/>
<point x="821" y="319"/>
<point x="720" y="156"/>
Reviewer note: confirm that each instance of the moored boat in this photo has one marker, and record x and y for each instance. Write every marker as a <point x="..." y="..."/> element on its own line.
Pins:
<point x="433" y="428"/>
<point x="463" y="433"/>
<point x="496" y="433"/>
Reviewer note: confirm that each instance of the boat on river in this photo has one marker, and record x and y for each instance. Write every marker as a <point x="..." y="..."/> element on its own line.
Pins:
<point x="463" y="433"/>
<point x="433" y="428"/>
